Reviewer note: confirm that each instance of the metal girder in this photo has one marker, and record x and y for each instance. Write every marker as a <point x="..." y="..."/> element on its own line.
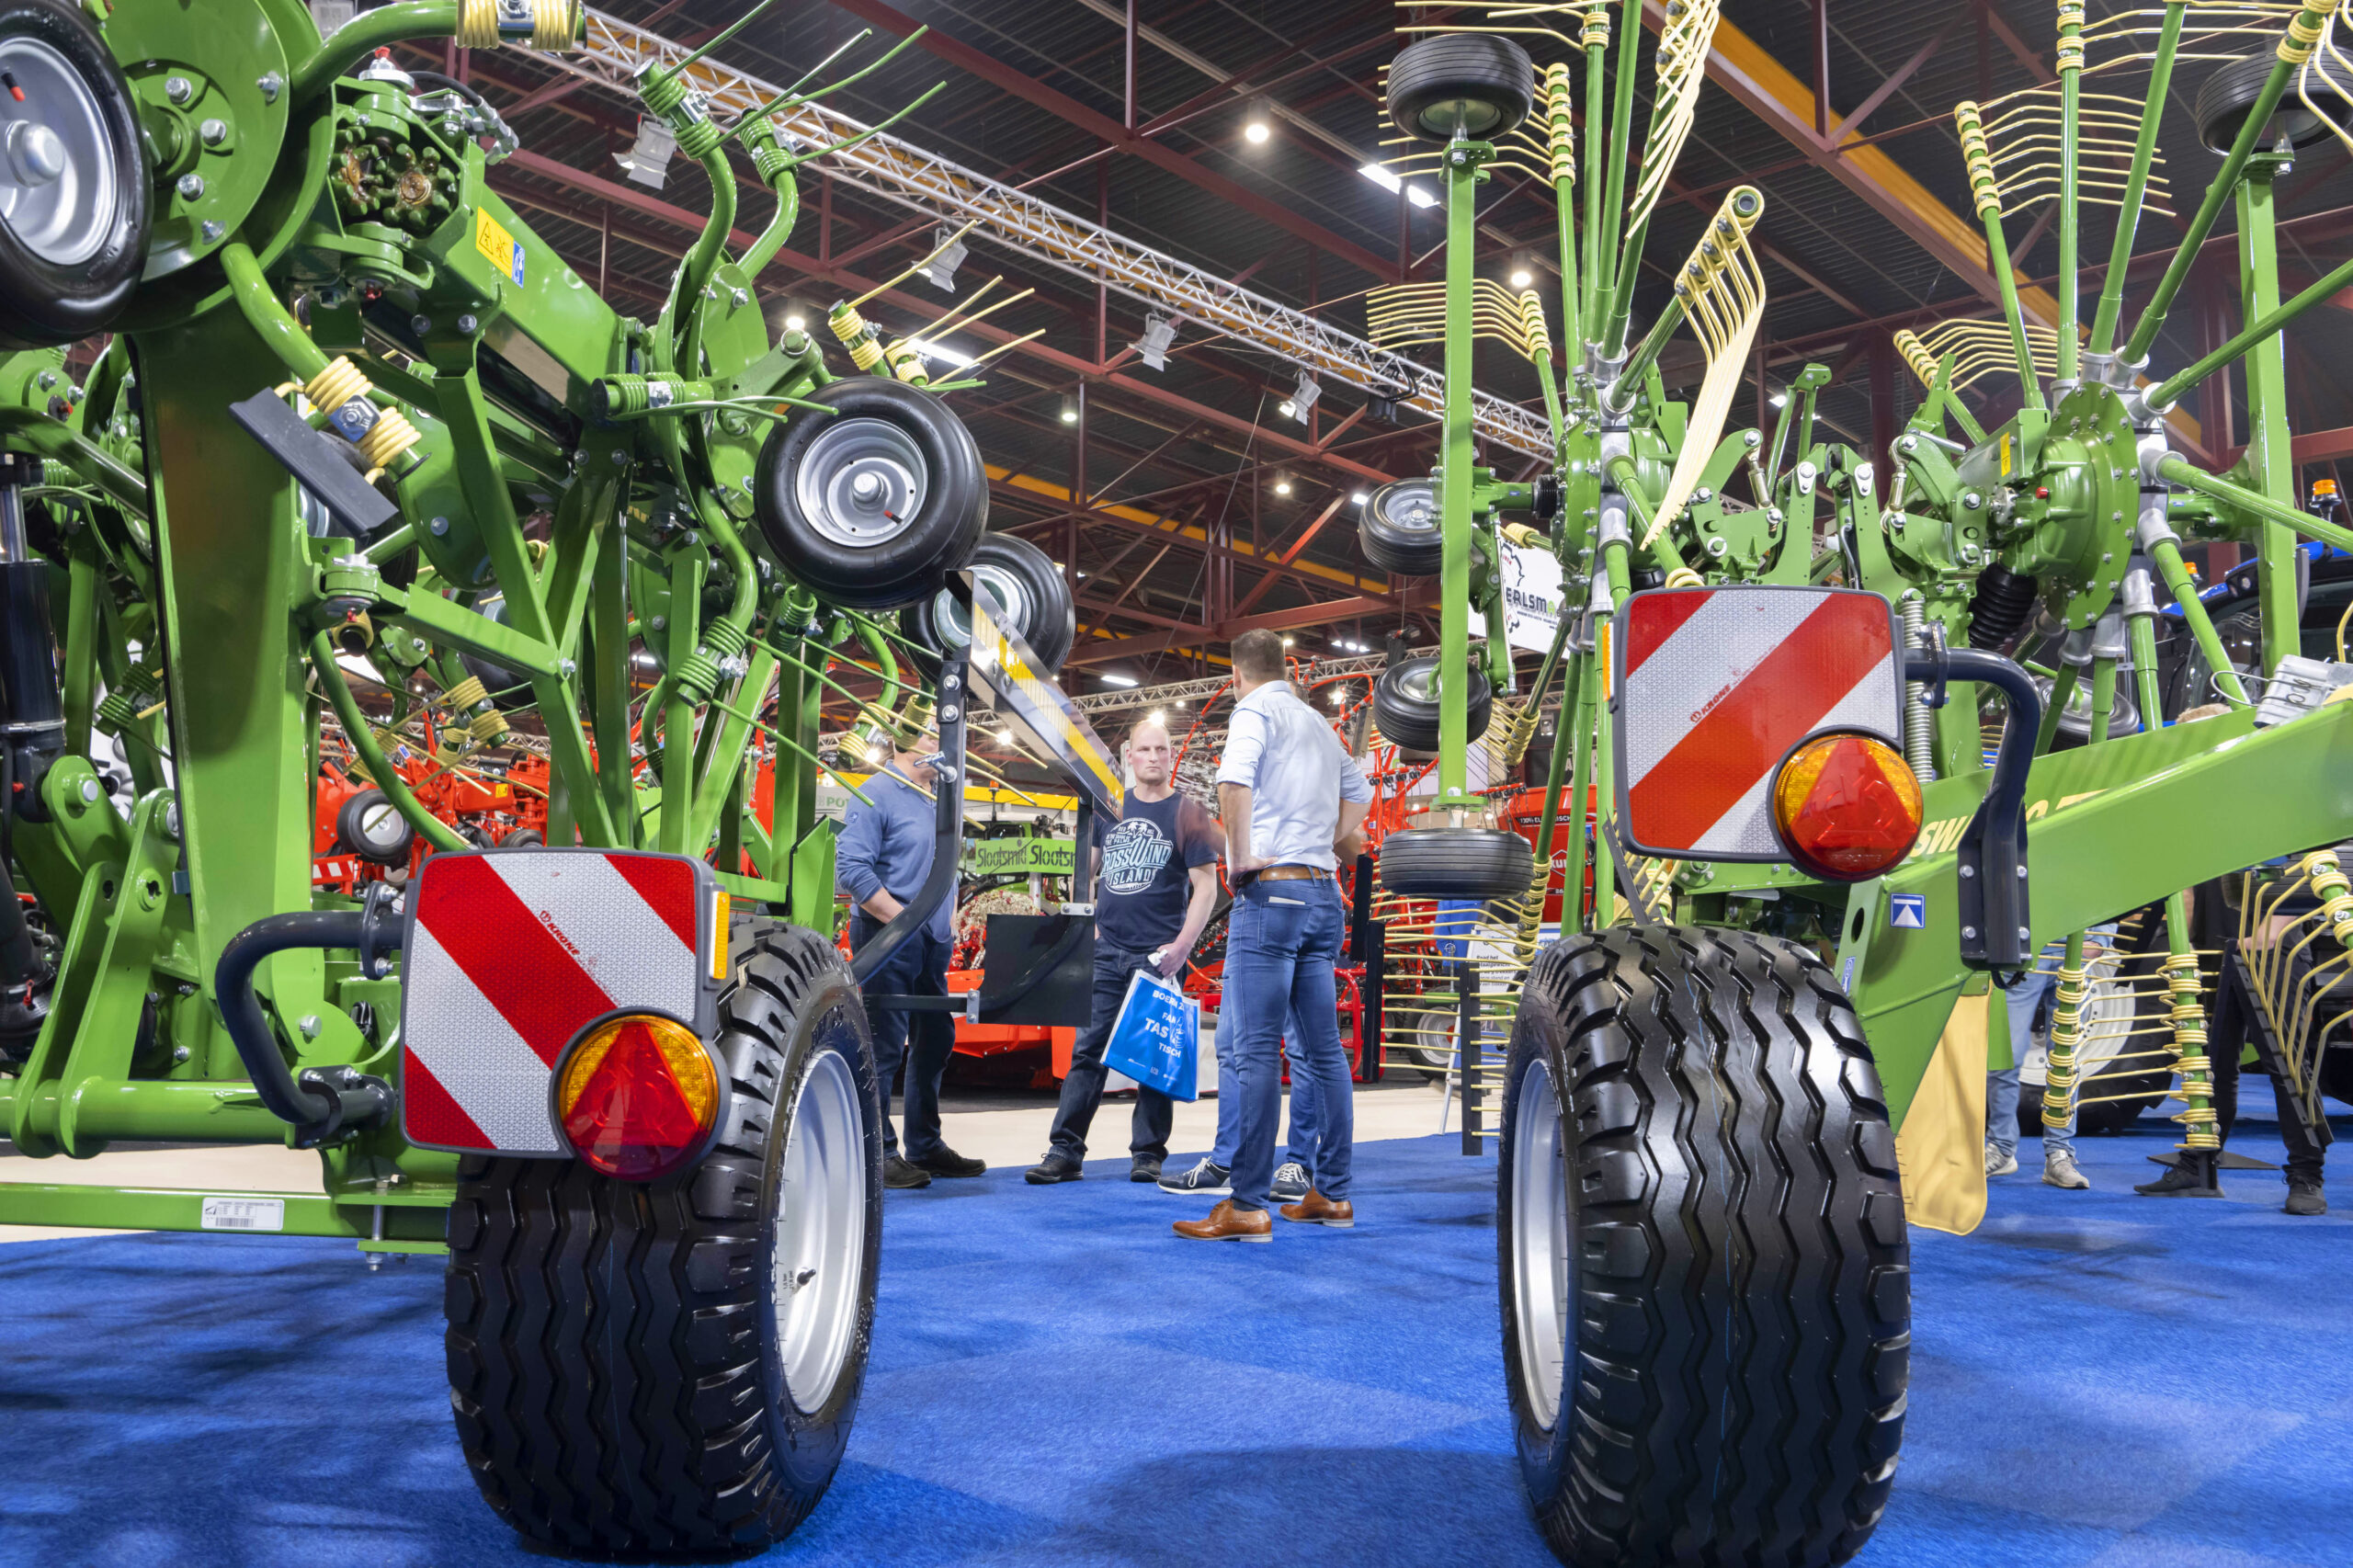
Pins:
<point x="1410" y="595"/>
<point x="905" y="175"/>
<point x="1195" y="690"/>
<point x="638" y="198"/>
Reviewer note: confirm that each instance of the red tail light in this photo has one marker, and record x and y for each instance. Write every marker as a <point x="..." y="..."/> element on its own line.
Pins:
<point x="1846" y="807"/>
<point x="638" y="1096"/>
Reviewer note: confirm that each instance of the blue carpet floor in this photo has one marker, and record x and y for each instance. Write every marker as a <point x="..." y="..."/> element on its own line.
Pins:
<point x="2096" y="1379"/>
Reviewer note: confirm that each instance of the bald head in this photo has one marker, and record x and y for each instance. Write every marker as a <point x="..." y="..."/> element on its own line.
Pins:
<point x="1150" y="754"/>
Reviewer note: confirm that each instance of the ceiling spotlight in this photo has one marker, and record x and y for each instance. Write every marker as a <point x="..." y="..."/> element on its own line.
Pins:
<point x="1288" y="409"/>
<point x="1339" y="697"/>
<point x="648" y="161"/>
<point x="796" y="321"/>
<point x="1359" y="498"/>
<point x="1287" y="642"/>
<point x="1381" y="176"/>
<point x="1256" y="126"/>
<point x="1303" y="397"/>
<point x="1070" y="411"/>
<point x="947" y="254"/>
<point x="1282" y="484"/>
<point x="1155" y="716"/>
<point x="1522" y="275"/>
<point x="1006" y="736"/>
<point x="1159" y="336"/>
<point x="1118" y="680"/>
<point x="1419" y="197"/>
<point x="874" y="753"/>
<point x="1779" y="400"/>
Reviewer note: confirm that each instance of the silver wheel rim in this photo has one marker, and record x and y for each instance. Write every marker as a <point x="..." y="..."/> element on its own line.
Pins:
<point x="379" y="825"/>
<point x="1543" y="1265"/>
<point x="861" y="481"/>
<point x="1007" y="603"/>
<point x="1410" y="506"/>
<point x="1419" y="682"/>
<point x="57" y="170"/>
<point x="820" y="1232"/>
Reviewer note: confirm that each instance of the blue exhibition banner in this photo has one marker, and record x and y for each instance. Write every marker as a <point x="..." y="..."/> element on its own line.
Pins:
<point x="1156" y="1040"/>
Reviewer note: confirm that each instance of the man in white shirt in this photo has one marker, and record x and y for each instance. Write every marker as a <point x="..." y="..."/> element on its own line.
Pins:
<point x="1290" y="793"/>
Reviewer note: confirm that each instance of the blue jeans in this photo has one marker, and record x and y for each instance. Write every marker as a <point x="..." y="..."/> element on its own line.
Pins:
<point x="2002" y="1084"/>
<point x="1281" y="941"/>
<point x="1229" y="1092"/>
<point x="923" y="1042"/>
<point x="1083" y="1085"/>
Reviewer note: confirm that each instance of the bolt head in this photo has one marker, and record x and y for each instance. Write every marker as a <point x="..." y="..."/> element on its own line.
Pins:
<point x="310" y="1026"/>
<point x="89" y="791"/>
<point x="1969" y="931"/>
<point x="420" y="325"/>
<point x="179" y="1053"/>
<point x="271" y="83"/>
<point x="2024" y="934"/>
<point x="659" y="623"/>
<point x="466" y="324"/>
<point x="212" y="230"/>
<point x="440" y="524"/>
<point x="1969" y="871"/>
<point x="2021" y="874"/>
<point x="566" y="668"/>
<point x="191" y="186"/>
<point x="180" y="89"/>
<point x="212" y="132"/>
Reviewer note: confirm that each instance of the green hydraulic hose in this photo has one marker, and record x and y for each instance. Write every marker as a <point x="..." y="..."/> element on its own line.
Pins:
<point x="2294" y="51"/>
<point x="440" y="834"/>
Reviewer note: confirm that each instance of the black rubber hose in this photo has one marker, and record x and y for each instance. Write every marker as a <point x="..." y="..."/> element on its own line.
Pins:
<point x="2000" y="608"/>
<point x="325" y="1100"/>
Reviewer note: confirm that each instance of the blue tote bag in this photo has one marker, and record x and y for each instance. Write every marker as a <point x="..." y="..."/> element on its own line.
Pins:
<point x="1156" y="1040"/>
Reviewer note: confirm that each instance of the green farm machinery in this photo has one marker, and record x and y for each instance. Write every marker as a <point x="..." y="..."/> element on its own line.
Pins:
<point x="1760" y="1042"/>
<point x="365" y="475"/>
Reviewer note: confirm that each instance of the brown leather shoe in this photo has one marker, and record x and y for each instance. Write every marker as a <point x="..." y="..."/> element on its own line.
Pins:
<point x="1227" y="1223"/>
<point x="1317" y="1210"/>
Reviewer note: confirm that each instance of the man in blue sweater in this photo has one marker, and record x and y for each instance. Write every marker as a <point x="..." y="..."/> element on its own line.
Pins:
<point x="884" y="856"/>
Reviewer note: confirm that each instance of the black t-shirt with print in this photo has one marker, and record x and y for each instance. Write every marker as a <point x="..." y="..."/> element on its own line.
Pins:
<point x="1141" y="894"/>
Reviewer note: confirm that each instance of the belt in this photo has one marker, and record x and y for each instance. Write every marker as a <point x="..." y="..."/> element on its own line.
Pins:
<point x="1292" y="874"/>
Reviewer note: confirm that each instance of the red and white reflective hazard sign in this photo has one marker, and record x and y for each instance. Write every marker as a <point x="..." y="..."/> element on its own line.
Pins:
<point x="511" y="955"/>
<point x="1714" y="686"/>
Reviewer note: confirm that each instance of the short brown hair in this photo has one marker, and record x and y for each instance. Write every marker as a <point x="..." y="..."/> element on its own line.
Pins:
<point x="1258" y="655"/>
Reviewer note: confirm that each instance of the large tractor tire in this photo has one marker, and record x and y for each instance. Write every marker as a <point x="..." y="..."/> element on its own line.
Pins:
<point x="672" y="1367"/>
<point x="1704" y="1271"/>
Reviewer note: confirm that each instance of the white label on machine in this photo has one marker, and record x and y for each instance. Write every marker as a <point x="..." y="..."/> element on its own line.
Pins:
<point x="1531" y="598"/>
<point x="243" y="1214"/>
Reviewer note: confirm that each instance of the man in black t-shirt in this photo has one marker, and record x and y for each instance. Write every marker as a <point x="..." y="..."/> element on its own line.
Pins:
<point x="1155" y="883"/>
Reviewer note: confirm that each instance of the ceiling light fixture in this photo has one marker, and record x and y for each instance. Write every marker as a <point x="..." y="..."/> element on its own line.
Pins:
<point x="1159" y="336"/>
<point x="1125" y="681"/>
<point x="1282" y="484"/>
<point x="648" y="160"/>
<point x="1522" y="275"/>
<point x="1255" y="126"/>
<point x="1779" y="400"/>
<point x="796" y="321"/>
<point x="1070" y="411"/>
<point x="947" y="254"/>
<point x="1303" y="397"/>
<point x="1359" y="498"/>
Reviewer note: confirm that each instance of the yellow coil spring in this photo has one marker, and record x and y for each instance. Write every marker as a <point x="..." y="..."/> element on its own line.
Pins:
<point x="466" y="693"/>
<point x="1683" y="577"/>
<point x="489" y="727"/>
<point x="555" y="24"/>
<point x="2304" y="30"/>
<point x="2334" y="891"/>
<point x="1539" y="340"/>
<point x="904" y="362"/>
<point x="2070" y="55"/>
<point x="847" y="324"/>
<point x="478" y="24"/>
<point x="1597" y="27"/>
<point x="390" y="437"/>
<point x="2190" y="1061"/>
<point x="2066" y="1033"/>
<point x="338" y="384"/>
<point x="1983" y="187"/>
<point x="865" y="353"/>
<point x="1916" y="354"/>
<point x="1560" y="121"/>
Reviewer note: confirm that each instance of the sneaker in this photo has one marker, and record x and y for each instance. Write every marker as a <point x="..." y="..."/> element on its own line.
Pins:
<point x="946" y="1162"/>
<point x="1143" y="1168"/>
<point x="1999" y="1164"/>
<point x="2059" y="1170"/>
<point x="1207" y="1178"/>
<point x="1054" y="1168"/>
<point x="2184" y="1177"/>
<point x="1289" y="1184"/>
<point x="2306" y="1198"/>
<point x="897" y="1172"/>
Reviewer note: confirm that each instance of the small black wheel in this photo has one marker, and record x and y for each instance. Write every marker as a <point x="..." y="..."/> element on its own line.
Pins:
<point x="1028" y="593"/>
<point x="523" y="838"/>
<point x="74" y="180"/>
<point x="369" y="826"/>
<point x="672" y="1367"/>
<point x="873" y="504"/>
<point x="1399" y="528"/>
<point x="509" y="688"/>
<point x="2225" y="97"/>
<point x="1457" y="862"/>
<point x="1701" y="1253"/>
<point x="1473" y="85"/>
<point x="1404" y="703"/>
